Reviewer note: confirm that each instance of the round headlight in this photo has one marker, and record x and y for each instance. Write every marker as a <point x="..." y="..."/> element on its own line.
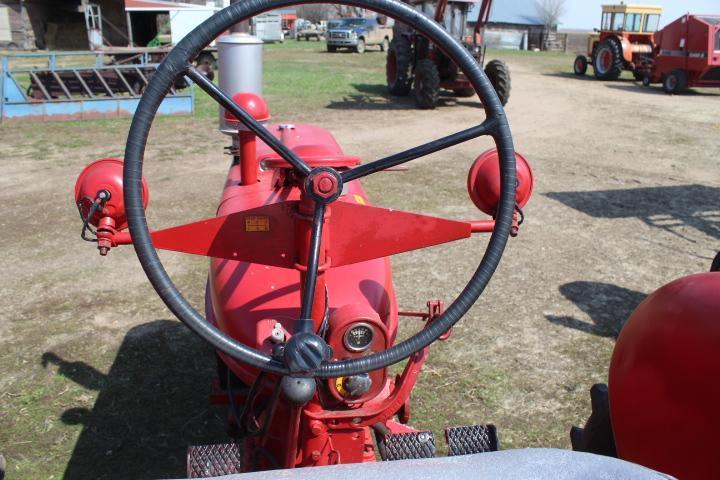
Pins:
<point x="358" y="337"/>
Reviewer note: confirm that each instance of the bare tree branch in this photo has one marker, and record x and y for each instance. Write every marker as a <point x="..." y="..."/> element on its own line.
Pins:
<point x="550" y="12"/>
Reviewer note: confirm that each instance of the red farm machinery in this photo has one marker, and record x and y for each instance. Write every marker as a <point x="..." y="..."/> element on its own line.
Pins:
<point x="685" y="53"/>
<point x="300" y="305"/>
<point x="414" y="64"/>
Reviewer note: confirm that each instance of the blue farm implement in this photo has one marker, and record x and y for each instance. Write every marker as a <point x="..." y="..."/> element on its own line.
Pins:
<point x="80" y="93"/>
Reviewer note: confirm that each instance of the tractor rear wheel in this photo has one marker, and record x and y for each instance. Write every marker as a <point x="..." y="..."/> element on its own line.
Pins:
<point x="426" y="84"/>
<point x="498" y="73"/>
<point x="580" y="65"/>
<point x="675" y="81"/>
<point x="398" y="66"/>
<point x="608" y="64"/>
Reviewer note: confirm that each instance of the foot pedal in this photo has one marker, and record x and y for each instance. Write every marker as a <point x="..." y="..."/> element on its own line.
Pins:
<point x="471" y="439"/>
<point x="213" y="460"/>
<point x="405" y="446"/>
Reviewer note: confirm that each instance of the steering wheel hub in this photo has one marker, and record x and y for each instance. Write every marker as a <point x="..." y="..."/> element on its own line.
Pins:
<point x="324" y="184"/>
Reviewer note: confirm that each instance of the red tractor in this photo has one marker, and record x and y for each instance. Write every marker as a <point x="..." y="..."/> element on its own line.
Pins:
<point x="625" y="39"/>
<point x="300" y="304"/>
<point x="415" y="64"/>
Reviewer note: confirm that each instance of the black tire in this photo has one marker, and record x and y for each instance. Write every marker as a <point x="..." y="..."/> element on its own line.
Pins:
<point x="715" y="267"/>
<point x="384" y="45"/>
<point x="464" y="92"/>
<point x="580" y="65"/>
<point x="426" y="85"/>
<point x="398" y="67"/>
<point x="331" y="48"/>
<point x="608" y="62"/>
<point x="206" y="58"/>
<point x="360" y="47"/>
<point x="639" y="77"/>
<point x="675" y="82"/>
<point x="646" y="81"/>
<point x="498" y="73"/>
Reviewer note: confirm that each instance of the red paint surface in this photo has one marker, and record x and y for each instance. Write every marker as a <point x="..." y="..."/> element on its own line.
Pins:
<point x="664" y="389"/>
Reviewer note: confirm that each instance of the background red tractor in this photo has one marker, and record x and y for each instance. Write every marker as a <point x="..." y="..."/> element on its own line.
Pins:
<point x="625" y="38"/>
<point x="414" y="64"/>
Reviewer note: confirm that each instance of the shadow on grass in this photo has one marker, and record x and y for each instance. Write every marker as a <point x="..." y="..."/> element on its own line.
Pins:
<point x="607" y="305"/>
<point x="151" y="405"/>
<point x="376" y="97"/>
<point x="668" y="208"/>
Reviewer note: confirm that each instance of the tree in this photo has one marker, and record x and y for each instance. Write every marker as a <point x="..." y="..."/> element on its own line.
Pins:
<point x="550" y="12"/>
<point x="314" y="12"/>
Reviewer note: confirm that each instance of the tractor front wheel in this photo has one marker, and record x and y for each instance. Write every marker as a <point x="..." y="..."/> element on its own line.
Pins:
<point x="427" y="84"/>
<point x="331" y="48"/>
<point x="498" y="73"/>
<point x="580" y="65"/>
<point x="675" y="82"/>
<point x="608" y="63"/>
<point x="398" y="66"/>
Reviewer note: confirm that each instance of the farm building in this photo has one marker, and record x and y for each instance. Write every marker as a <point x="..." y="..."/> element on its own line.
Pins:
<point x="79" y="24"/>
<point x="513" y="25"/>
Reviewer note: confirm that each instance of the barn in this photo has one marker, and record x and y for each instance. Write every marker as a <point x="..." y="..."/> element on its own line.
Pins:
<point x="512" y="25"/>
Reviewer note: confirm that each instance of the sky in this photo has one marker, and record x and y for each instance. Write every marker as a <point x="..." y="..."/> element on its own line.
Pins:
<point x="586" y="13"/>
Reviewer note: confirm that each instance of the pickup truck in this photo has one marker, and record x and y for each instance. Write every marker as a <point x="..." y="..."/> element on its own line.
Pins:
<point x="358" y="33"/>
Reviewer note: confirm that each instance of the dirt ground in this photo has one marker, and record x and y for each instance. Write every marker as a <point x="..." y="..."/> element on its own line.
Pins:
<point x="97" y="380"/>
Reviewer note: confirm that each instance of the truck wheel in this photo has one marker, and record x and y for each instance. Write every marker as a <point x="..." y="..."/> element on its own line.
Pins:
<point x="580" y="65"/>
<point x="646" y="81"/>
<point x="384" y="45"/>
<point x="360" y="47"/>
<point x="498" y="73"/>
<point x="427" y="84"/>
<point x="398" y="66"/>
<point x="331" y="48"/>
<point x="608" y="63"/>
<point x="675" y="81"/>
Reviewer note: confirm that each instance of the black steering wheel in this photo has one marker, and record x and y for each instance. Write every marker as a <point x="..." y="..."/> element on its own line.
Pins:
<point x="307" y="358"/>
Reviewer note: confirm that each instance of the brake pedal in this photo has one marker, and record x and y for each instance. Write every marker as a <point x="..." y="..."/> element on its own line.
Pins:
<point x="471" y="439"/>
<point x="213" y="460"/>
<point x="405" y="446"/>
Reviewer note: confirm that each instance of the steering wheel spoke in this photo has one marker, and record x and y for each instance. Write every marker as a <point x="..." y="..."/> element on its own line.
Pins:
<point x="256" y="127"/>
<point x="305" y="322"/>
<point x="488" y="127"/>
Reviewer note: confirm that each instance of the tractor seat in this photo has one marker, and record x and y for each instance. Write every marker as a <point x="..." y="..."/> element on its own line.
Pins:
<point x="314" y="156"/>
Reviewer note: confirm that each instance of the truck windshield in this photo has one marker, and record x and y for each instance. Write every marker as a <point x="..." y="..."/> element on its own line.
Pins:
<point x="353" y="22"/>
<point x="651" y="23"/>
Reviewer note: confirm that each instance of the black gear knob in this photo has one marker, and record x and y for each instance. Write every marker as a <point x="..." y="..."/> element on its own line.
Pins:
<point x="305" y="351"/>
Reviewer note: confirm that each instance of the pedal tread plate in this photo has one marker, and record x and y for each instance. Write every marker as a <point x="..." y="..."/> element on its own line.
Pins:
<point x="213" y="460"/>
<point x="406" y="446"/>
<point x="471" y="439"/>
